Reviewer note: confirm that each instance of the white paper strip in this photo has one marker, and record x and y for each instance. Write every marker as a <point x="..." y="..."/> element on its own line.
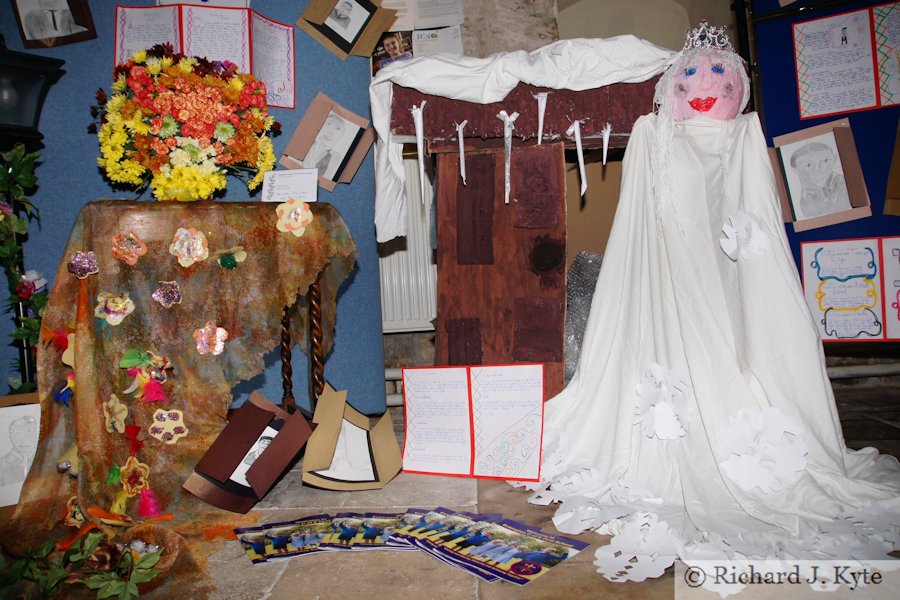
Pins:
<point x="575" y="128"/>
<point x="607" y="129"/>
<point x="508" y="121"/>
<point x="462" y="150"/>
<point x="420" y="143"/>
<point x="541" y="98"/>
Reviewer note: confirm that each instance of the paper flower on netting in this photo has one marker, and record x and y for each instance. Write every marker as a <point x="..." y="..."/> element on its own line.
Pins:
<point x="189" y="246"/>
<point x="762" y="449"/>
<point x="293" y="216"/>
<point x="168" y="426"/>
<point x="135" y="476"/>
<point x="210" y="338"/>
<point x="662" y="403"/>
<point x="115" y="413"/>
<point x="128" y="247"/>
<point x="644" y="548"/>
<point x="744" y="236"/>
<point x="113" y="308"/>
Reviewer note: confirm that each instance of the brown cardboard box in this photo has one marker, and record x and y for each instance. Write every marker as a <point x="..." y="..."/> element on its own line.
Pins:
<point x="210" y="478"/>
<point x="384" y="451"/>
<point x="313" y="21"/>
<point x="6" y="512"/>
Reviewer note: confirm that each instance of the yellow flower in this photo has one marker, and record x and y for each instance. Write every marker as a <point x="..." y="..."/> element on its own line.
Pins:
<point x="187" y="63"/>
<point x="154" y="66"/>
<point x="236" y="83"/>
<point x="294" y="216"/>
<point x="139" y="56"/>
<point x="119" y="84"/>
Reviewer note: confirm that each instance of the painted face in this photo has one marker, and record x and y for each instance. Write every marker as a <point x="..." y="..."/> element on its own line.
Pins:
<point x="707" y="87"/>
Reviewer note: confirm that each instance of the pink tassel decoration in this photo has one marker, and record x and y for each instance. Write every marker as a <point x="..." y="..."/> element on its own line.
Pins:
<point x="148" y="504"/>
<point x="153" y="392"/>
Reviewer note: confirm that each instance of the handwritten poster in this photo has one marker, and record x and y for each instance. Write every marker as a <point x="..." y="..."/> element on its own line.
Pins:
<point x="478" y="421"/>
<point x="852" y="288"/>
<point x="835" y="68"/>
<point x="887" y="46"/>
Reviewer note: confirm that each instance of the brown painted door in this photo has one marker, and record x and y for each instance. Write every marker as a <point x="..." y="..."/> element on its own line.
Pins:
<point x="501" y="267"/>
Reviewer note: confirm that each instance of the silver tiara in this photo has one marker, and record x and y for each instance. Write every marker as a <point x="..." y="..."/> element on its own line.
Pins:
<point x="707" y="36"/>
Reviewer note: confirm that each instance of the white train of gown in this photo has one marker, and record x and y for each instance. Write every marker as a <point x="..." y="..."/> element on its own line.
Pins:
<point x="701" y="396"/>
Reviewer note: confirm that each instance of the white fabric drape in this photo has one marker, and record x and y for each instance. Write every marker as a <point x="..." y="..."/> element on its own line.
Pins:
<point x="734" y="337"/>
<point x="578" y="64"/>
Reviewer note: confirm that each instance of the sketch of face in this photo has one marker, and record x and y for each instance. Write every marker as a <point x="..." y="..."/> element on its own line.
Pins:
<point x="22" y="435"/>
<point x="392" y="46"/>
<point x="263" y="444"/>
<point x="342" y="11"/>
<point x="331" y="129"/>
<point x="815" y="163"/>
<point x="708" y="87"/>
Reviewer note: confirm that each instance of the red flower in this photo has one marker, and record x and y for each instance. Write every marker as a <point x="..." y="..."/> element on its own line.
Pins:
<point x="25" y="289"/>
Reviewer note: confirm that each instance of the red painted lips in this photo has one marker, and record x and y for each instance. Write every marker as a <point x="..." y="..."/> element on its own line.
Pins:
<point x="703" y="104"/>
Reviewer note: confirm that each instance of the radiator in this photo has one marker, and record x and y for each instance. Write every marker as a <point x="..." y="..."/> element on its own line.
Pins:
<point x="408" y="271"/>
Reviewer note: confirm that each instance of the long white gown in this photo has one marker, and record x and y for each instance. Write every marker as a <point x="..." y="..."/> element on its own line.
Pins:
<point x="701" y="394"/>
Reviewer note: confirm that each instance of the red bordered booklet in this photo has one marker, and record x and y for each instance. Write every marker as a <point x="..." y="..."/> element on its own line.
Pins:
<point x="474" y="421"/>
<point x="256" y="44"/>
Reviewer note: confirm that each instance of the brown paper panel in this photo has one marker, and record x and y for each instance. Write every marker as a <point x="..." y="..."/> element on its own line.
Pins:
<point x="475" y="213"/>
<point x="539" y="329"/>
<point x="536" y="186"/>
<point x="464" y="342"/>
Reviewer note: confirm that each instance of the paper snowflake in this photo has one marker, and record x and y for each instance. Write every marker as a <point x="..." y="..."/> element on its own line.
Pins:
<point x="644" y="548"/>
<point x="762" y="448"/>
<point x="662" y="404"/>
<point x="745" y="236"/>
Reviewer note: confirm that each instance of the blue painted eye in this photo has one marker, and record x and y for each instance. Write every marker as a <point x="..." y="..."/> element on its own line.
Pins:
<point x="719" y="69"/>
<point x="690" y="71"/>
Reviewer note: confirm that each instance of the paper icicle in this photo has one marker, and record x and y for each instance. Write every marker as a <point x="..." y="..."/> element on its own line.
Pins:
<point x="420" y="144"/>
<point x="462" y="150"/>
<point x="575" y="128"/>
<point x="508" y="126"/>
<point x="541" y="98"/>
<point x="606" y="131"/>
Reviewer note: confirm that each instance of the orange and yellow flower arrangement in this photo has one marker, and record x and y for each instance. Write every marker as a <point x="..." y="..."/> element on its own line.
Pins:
<point x="181" y="124"/>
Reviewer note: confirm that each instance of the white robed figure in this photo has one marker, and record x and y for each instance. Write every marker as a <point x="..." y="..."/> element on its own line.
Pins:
<point x="701" y="421"/>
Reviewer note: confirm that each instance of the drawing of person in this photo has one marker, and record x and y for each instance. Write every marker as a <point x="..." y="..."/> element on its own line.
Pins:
<point x="261" y="446"/>
<point x="47" y="19"/>
<point x="322" y="154"/>
<point x="824" y="190"/>
<point x="14" y="464"/>
<point x="341" y="14"/>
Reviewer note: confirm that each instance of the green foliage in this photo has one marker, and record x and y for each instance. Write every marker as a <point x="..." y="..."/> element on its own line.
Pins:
<point x="93" y="561"/>
<point x="16" y="212"/>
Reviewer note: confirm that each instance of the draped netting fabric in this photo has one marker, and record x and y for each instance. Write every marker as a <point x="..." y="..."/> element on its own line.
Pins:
<point x="701" y="397"/>
<point x="248" y="301"/>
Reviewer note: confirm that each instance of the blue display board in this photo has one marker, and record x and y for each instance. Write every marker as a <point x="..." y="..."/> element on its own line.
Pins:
<point x="874" y="130"/>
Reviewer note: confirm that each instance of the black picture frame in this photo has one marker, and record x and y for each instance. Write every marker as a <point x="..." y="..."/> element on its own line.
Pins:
<point x="49" y="23"/>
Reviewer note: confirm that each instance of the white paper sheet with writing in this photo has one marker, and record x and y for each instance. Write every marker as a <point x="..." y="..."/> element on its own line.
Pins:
<point x="218" y="34"/>
<point x="478" y="421"/>
<point x="301" y="184"/>
<point x="835" y="72"/>
<point x="852" y="287"/>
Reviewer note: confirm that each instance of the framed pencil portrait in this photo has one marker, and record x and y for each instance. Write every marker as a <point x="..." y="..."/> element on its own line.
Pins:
<point x="48" y="23"/>
<point x="819" y="176"/>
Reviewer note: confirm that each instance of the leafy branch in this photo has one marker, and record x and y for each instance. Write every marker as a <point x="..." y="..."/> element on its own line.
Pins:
<point x="26" y="296"/>
<point x="94" y="561"/>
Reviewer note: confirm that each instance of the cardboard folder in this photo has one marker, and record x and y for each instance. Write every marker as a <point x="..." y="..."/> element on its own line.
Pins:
<point x="210" y="480"/>
<point x="374" y="440"/>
